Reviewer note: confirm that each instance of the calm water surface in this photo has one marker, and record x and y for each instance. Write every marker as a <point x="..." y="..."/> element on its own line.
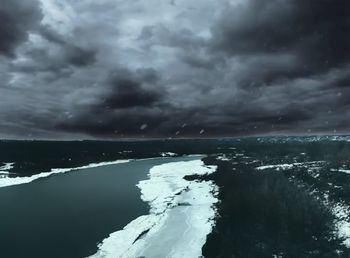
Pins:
<point x="67" y="215"/>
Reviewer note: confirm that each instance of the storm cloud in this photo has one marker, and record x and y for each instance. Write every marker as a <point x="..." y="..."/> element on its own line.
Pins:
<point x="180" y="68"/>
<point x="128" y="92"/>
<point x="304" y="37"/>
<point x="17" y="19"/>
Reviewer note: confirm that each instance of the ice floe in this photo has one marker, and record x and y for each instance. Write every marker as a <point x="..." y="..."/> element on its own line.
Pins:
<point x="9" y="181"/>
<point x="181" y="215"/>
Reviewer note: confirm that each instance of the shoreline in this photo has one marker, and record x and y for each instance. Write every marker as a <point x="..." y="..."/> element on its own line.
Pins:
<point x="6" y="181"/>
<point x="173" y="200"/>
<point x="11" y="181"/>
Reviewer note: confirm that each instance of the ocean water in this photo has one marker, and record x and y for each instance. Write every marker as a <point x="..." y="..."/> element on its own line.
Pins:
<point x="32" y="157"/>
<point x="67" y="215"/>
<point x="279" y="196"/>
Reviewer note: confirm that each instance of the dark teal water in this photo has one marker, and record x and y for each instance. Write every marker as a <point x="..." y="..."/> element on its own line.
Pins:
<point x="261" y="213"/>
<point x="67" y="215"/>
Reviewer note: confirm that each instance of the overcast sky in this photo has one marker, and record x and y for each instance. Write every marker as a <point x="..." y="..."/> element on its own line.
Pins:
<point x="173" y="68"/>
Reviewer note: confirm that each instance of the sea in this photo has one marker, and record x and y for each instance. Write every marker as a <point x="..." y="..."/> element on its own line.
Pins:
<point x="94" y="193"/>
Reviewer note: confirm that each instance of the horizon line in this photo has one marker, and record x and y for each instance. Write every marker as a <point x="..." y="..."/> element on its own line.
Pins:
<point x="179" y="138"/>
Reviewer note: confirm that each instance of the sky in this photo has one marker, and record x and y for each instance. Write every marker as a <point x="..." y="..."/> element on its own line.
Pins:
<point x="173" y="68"/>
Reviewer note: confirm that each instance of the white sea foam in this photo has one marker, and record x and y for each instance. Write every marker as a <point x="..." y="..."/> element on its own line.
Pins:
<point x="8" y="181"/>
<point x="5" y="169"/>
<point x="347" y="171"/>
<point x="181" y="215"/>
<point x="289" y="166"/>
<point x="168" y="154"/>
<point x="278" y="166"/>
<point x="341" y="212"/>
<point x="223" y="157"/>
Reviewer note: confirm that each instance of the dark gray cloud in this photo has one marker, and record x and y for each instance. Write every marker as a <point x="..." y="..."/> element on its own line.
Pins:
<point x="79" y="56"/>
<point x="129" y="100"/>
<point x="313" y="34"/>
<point x="202" y="68"/>
<point x="74" y="55"/>
<point x="127" y="91"/>
<point x="17" y="19"/>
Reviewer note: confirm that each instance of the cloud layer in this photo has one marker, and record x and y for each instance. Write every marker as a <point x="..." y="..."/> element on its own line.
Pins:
<point x="112" y="69"/>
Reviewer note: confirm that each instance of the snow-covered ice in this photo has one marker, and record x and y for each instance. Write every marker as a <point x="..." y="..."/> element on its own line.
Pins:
<point x="8" y="181"/>
<point x="181" y="215"/>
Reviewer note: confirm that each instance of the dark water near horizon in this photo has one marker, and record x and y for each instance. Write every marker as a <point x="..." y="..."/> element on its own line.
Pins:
<point x="262" y="213"/>
<point x="67" y="215"/>
<point x="32" y="157"/>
